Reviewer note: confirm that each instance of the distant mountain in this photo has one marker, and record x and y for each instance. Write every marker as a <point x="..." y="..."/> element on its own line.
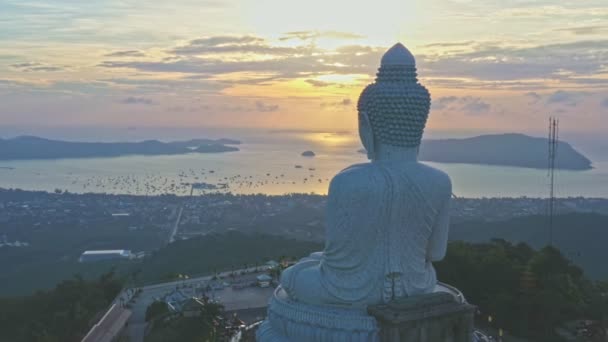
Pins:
<point x="580" y="237"/>
<point x="501" y="149"/>
<point x="204" y="142"/>
<point x="29" y="147"/>
<point x="215" y="148"/>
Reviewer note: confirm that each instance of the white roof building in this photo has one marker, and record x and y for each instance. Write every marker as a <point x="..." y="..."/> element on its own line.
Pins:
<point x="96" y="255"/>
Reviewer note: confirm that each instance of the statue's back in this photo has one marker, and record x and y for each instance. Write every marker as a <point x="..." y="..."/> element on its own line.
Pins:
<point x="380" y="223"/>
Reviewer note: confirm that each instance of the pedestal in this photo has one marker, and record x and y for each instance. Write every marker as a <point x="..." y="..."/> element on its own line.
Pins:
<point x="433" y="317"/>
<point x="441" y="316"/>
<point x="291" y="321"/>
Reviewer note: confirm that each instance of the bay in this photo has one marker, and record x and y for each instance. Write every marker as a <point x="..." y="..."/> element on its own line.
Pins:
<point x="272" y="164"/>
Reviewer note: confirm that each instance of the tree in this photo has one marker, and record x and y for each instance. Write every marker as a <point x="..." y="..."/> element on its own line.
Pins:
<point x="155" y="310"/>
<point x="62" y="314"/>
<point x="527" y="292"/>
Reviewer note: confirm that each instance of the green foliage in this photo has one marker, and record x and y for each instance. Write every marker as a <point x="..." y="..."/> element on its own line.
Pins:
<point x="155" y="310"/>
<point x="205" y="327"/>
<point x="63" y="314"/>
<point x="581" y="237"/>
<point x="527" y="292"/>
<point x="187" y="329"/>
<point x="206" y="255"/>
<point x="53" y="254"/>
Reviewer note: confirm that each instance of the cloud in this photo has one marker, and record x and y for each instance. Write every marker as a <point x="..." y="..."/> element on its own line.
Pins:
<point x="308" y="35"/>
<point x="216" y="55"/>
<point x="262" y="107"/>
<point x="467" y="104"/>
<point x="341" y="103"/>
<point x="35" y="66"/>
<point x="25" y="65"/>
<point x="235" y="108"/>
<point x="288" y="67"/>
<point x="568" y="98"/>
<point x="534" y="97"/>
<point x="46" y="68"/>
<point x="346" y="102"/>
<point x="317" y="83"/>
<point x="235" y="45"/>
<point x="138" y="101"/>
<point x="14" y="83"/>
<point x="476" y="106"/>
<point x="225" y="40"/>
<point x="175" y="109"/>
<point x="449" y="44"/>
<point x="584" y="30"/>
<point x="488" y="65"/>
<point x="551" y="11"/>
<point x="498" y="62"/>
<point x="443" y="102"/>
<point x="126" y="53"/>
<point x="184" y="109"/>
<point x="166" y="84"/>
<point x="258" y="106"/>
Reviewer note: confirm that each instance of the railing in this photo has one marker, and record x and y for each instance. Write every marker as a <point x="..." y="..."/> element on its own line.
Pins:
<point x="453" y="291"/>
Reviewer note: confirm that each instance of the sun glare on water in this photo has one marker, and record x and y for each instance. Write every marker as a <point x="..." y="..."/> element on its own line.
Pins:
<point x="332" y="139"/>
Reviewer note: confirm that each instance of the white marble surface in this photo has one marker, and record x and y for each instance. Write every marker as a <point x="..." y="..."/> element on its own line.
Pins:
<point x="398" y="55"/>
<point x="387" y="221"/>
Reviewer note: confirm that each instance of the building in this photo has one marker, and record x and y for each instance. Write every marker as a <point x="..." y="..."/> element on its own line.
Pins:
<point x="272" y="264"/>
<point x="192" y="307"/>
<point x="121" y="214"/>
<point x="264" y="280"/>
<point x="175" y="300"/>
<point x="99" y="255"/>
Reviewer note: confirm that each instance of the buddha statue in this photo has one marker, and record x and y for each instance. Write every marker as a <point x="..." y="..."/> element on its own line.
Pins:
<point x="387" y="220"/>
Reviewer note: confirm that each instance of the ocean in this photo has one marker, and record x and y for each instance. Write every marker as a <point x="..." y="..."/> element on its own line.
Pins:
<point x="270" y="162"/>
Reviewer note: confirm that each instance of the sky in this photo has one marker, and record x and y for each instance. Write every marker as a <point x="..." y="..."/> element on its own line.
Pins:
<point x="490" y="65"/>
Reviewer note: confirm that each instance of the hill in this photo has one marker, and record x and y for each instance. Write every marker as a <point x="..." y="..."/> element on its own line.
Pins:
<point x="580" y="237"/>
<point x="64" y="313"/>
<point x="231" y="250"/>
<point x="28" y="147"/>
<point x="502" y="149"/>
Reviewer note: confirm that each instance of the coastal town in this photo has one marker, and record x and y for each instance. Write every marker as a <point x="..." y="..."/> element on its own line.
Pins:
<point x="136" y="226"/>
<point x="297" y="216"/>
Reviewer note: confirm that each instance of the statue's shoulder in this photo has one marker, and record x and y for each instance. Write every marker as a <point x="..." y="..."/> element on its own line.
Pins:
<point x="436" y="174"/>
<point x="354" y="177"/>
<point x="436" y="180"/>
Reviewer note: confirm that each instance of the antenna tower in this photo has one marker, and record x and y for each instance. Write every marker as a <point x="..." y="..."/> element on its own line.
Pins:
<point x="553" y="142"/>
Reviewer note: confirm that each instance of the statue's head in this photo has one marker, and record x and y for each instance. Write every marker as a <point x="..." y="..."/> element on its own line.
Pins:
<point x="393" y="110"/>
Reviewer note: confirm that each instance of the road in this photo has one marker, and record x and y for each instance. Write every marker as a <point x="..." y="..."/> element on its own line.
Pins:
<point x="137" y="323"/>
<point x="176" y="226"/>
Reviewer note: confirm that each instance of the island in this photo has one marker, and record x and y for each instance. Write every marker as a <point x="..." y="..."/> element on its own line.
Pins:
<point x="215" y="148"/>
<point x="512" y="149"/>
<point x="308" y="154"/>
<point x="195" y="143"/>
<point x="30" y="147"/>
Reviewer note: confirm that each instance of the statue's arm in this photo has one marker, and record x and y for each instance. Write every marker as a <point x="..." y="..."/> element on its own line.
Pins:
<point x="348" y="200"/>
<point x="438" y="242"/>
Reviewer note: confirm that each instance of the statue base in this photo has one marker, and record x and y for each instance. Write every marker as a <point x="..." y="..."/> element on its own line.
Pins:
<point x="426" y="318"/>
<point x="291" y="321"/>
<point x="443" y="315"/>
